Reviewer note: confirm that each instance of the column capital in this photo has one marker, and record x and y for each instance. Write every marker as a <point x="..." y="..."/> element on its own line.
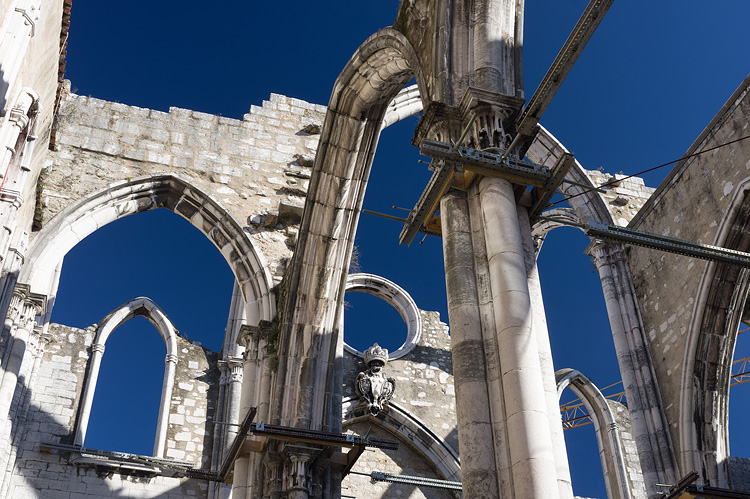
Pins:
<point x="606" y="252"/>
<point x="299" y="470"/>
<point x="250" y="336"/>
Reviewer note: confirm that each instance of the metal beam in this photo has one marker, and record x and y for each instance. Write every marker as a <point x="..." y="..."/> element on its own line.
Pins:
<point x="486" y="163"/>
<point x="448" y="159"/>
<point x="559" y="170"/>
<point x="415" y="480"/>
<point x="120" y="456"/>
<point x="428" y="202"/>
<point x="656" y="241"/>
<point x="320" y="437"/>
<point x="562" y="65"/>
<point x="670" y="244"/>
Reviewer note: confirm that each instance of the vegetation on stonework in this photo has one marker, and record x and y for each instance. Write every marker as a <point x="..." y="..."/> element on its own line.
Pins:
<point x="272" y="340"/>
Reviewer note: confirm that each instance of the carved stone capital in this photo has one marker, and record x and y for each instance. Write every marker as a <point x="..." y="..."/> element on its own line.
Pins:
<point x="250" y="336"/>
<point x="18" y="117"/>
<point x="273" y="474"/>
<point x="606" y="253"/>
<point x="25" y="306"/>
<point x="300" y="472"/>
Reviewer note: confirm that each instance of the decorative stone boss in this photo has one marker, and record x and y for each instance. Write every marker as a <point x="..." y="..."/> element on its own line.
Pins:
<point x="373" y="387"/>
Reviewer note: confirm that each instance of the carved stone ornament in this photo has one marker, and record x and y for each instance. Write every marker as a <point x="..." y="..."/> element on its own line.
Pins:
<point x="373" y="387"/>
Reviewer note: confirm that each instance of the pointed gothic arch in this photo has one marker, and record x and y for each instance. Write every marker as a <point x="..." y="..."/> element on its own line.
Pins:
<point x="160" y="190"/>
<point x="605" y="426"/>
<point x="136" y="307"/>
<point x="707" y="367"/>
<point x="375" y="74"/>
<point x="413" y="433"/>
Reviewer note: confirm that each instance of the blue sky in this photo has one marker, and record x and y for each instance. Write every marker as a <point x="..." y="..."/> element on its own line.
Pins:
<point x="651" y="78"/>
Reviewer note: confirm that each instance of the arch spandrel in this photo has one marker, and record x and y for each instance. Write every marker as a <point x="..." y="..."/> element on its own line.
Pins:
<point x="690" y="307"/>
<point x="163" y="190"/>
<point x="413" y="433"/>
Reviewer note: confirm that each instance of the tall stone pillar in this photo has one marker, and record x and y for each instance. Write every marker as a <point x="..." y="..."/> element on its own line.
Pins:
<point x="24" y="307"/>
<point x="658" y="463"/>
<point x="531" y="450"/>
<point x="480" y="469"/>
<point x="539" y="324"/>
<point x="16" y="150"/>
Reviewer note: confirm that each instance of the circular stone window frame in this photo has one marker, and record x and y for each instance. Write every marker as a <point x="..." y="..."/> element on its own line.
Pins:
<point x="395" y="296"/>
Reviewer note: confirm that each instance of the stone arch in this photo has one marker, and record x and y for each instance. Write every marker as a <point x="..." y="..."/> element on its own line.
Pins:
<point x="707" y="367"/>
<point x="411" y="431"/>
<point x="160" y="190"/>
<point x="605" y="426"/>
<point x="144" y="307"/>
<point x="407" y="103"/>
<point x="399" y="299"/>
<point x="588" y="204"/>
<point x="542" y="227"/>
<point x="377" y="71"/>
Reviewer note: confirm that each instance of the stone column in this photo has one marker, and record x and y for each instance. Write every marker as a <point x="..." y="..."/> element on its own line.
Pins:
<point x="170" y="367"/>
<point x="531" y="450"/>
<point x="11" y="266"/>
<point x="272" y="475"/>
<point x="248" y="388"/>
<point x="300" y="480"/>
<point x="539" y="324"/>
<point x="651" y="431"/>
<point x="19" y="427"/>
<point x="28" y="307"/>
<point x="87" y="401"/>
<point x="15" y="165"/>
<point x="479" y="469"/>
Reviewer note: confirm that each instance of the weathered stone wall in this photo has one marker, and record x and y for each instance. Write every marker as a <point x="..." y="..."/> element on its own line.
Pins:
<point x="739" y="469"/>
<point x="692" y="203"/>
<point x="404" y="461"/>
<point x="52" y="413"/>
<point x="38" y="71"/>
<point x="256" y="168"/>
<point x="623" y="196"/>
<point x="628" y="449"/>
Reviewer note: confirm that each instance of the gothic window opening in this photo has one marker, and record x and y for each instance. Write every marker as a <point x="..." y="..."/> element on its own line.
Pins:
<point x="128" y="392"/>
<point x="585" y="470"/>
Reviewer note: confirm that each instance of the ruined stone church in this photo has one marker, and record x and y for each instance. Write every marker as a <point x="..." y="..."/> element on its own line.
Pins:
<point x="303" y="414"/>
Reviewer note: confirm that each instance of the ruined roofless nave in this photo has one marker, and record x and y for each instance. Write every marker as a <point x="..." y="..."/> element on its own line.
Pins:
<point x="301" y="414"/>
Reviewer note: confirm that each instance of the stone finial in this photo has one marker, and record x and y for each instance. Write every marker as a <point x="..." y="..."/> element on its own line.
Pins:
<point x="376" y="353"/>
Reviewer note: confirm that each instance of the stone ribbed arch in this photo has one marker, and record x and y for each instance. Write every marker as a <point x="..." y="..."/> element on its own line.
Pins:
<point x="543" y="226"/>
<point x="704" y="390"/>
<point x="160" y="190"/>
<point x="605" y="427"/>
<point x="588" y="204"/>
<point x="144" y="307"/>
<point x="413" y="432"/>
<point x="407" y="103"/>
<point x="307" y="393"/>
